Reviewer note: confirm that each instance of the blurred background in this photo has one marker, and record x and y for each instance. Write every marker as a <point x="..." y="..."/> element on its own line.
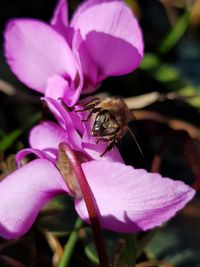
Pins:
<point x="164" y="93"/>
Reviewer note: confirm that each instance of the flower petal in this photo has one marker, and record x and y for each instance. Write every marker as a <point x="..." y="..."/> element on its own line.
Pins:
<point x="71" y="96"/>
<point x="60" y="17"/>
<point x="95" y="150"/>
<point x="112" y="36"/>
<point x="47" y="135"/>
<point x="64" y="119"/>
<point x="24" y="192"/>
<point x="49" y="155"/>
<point x="88" y="66"/>
<point x="86" y="5"/>
<point x="35" y="52"/>
<point x="56" y="87"/>
<point x="130" y="200"/>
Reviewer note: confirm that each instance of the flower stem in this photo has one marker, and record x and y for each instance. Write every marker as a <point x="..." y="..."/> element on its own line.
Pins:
<point x="69" y="247"/>
<point x="90" y="203"/>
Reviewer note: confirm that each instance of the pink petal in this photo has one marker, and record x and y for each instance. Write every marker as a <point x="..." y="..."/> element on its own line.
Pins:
<point x="38" y="153"/>
<point x="130" y="200"/>
<point x="78" y="124"/>
<point x="88" y="66"/>
<point x="64" y="119"/>
<point x="47" y="135"/>
<point x="24" y="192"/>
<point x="112" y="36"/>
<point x="95" y="150"/>
<point x="56" y="87"/>
<point x="60" y="17"/>
<point x="72" y="96"/>
<point x="86" y="5"/>
<point x="35" y="52"/>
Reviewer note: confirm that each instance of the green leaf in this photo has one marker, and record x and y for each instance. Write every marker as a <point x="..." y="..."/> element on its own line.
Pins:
<point x="150" y="62"/>
<point x="192" y="95"/>
<point x="70" y="245"/>
<point x="175" y="34"/>
<point x="9" y="139"/>
<point x="128" y="256"/>
<point x="91" y="253"/>
<point x="166" y="73"/>
<point x="177" y="243"/>
<point x="111" y="242"/>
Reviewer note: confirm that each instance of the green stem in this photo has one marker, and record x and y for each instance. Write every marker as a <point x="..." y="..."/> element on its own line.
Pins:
<point x="69" y="247"/>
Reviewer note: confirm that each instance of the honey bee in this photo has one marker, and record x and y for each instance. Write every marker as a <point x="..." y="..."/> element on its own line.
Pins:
<point x="111" y="118"/>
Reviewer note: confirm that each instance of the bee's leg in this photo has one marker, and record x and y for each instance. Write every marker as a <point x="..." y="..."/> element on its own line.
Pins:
<point x="95" y="100"/>
<point x="113" y="141"/>
<point x="94" y="110"/>
<point x="109" y="147"/>
<point x="111" y="137"/>
<point x="68" y="109"/>
<point x="88" y="117"/>
<point x="100" y="139"/>
<point x="89" y="106"/>
<point x="85" y="109"/>
<point x="104" y="139"/>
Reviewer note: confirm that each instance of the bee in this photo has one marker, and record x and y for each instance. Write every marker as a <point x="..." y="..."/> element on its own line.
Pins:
<point x="111" y="118"/>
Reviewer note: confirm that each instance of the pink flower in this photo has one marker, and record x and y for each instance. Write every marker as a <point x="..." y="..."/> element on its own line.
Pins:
<point x="62" y="59"/>
<point x="128" y="199"/>
<point x="69" y="129"/>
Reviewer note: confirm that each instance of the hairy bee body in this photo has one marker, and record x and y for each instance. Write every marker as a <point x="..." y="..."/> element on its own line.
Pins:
<point x="111" y="118"/>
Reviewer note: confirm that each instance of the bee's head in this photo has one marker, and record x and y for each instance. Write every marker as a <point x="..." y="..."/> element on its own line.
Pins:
<point x="105" y="124"/>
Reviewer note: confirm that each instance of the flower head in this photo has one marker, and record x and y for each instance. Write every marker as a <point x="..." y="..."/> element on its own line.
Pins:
<point x="128" y="199"/>
<point x="62" y="59"/>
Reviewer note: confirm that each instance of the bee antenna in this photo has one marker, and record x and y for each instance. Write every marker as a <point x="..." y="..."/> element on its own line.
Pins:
<point x="135" y="139"/>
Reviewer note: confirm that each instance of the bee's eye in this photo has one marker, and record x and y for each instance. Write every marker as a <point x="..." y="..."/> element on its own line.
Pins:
<point x="101" y="118"/>
<point x="99" y="122"/>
